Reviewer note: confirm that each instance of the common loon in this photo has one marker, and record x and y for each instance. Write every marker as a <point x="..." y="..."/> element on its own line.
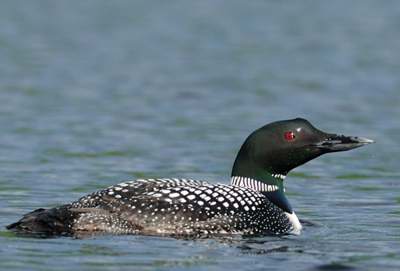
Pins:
<point x="253" y="204"/>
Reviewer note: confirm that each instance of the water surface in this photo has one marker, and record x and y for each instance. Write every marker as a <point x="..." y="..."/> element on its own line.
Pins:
<point x="97" y="92"/>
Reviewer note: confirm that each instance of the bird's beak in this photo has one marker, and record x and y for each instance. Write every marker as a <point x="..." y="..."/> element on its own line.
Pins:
<point x="335" y="143"/>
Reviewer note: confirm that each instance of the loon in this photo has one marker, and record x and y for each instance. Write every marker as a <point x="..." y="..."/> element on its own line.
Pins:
<point x="253" y="204"/>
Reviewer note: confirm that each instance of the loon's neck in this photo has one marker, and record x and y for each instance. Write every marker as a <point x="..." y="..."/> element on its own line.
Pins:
<point x="271" y="187"/>
<point x="248" y="174"/>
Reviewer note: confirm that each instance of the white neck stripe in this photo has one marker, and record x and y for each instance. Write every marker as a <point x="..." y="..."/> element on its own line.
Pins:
<point x="253" y="184"/>
<point x="279" y="176"/>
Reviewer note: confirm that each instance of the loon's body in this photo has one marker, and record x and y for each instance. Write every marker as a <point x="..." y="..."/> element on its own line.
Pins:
<point x="253" y="204"/>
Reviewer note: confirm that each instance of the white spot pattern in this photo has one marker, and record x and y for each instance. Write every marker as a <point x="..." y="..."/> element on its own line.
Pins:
<point x="185" y="206"/>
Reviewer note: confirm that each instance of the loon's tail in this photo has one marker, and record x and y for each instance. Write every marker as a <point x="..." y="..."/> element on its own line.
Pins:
<point x="45" y="222"/>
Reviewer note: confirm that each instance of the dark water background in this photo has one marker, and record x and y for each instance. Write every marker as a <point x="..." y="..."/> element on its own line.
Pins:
<point x="95" y="92"/>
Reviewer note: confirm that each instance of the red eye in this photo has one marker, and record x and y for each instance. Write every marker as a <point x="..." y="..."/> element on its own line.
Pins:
<point x="289" y="136"/>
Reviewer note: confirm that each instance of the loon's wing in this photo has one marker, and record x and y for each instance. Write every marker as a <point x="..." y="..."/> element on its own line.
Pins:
<point x="170" y="206"/>
<point x="149" y="206"/>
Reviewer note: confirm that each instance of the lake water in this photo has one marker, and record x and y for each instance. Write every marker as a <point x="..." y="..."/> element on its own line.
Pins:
<point x="96" y="92"/>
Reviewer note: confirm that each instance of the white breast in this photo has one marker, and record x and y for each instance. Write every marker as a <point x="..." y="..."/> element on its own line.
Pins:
<point x="295" y="222"/>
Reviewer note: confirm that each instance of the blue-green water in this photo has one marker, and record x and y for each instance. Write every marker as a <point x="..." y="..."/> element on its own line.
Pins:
<point x="95" y="92"/>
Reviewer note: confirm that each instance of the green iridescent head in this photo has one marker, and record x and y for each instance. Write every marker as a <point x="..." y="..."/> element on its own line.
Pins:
<point x="270" y="152"/>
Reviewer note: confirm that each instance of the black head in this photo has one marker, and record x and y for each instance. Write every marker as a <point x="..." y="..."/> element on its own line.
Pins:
<point x="280" y="146"/>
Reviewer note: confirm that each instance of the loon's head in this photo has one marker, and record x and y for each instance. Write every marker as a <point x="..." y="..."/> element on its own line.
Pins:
<point x="281" y="146"/>
<point x="270" y="152"/>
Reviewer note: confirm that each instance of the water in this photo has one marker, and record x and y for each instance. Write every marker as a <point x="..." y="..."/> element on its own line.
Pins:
<point x="96" y="92"/>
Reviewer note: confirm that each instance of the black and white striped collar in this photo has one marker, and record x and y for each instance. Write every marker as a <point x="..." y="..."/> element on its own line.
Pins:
<point x="254" y="184"/>
<point x="279" y="176"/>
